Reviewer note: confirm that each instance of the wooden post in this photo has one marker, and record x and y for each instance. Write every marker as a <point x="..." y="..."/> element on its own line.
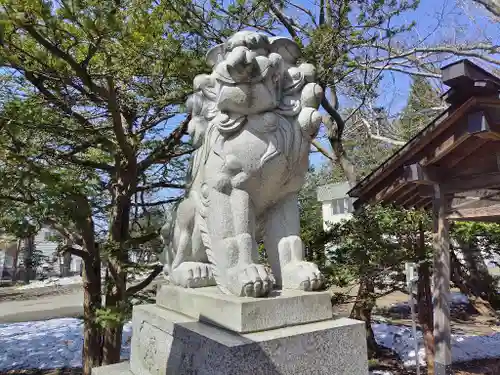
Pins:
<point x="441" y="292"/>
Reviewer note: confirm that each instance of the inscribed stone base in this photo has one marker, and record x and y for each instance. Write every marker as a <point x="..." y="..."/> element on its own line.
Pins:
<point x="442" y="369"/>
<point x="244" y="314"/>
<point x="168" y="343"/>
<point x="122" y="368"/>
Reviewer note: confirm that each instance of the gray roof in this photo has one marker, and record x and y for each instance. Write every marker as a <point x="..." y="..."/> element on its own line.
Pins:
<point x="333" y="191"/>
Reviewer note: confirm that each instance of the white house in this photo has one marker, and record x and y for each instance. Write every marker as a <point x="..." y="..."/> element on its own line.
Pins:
<point x="46" y="244"/>
<point x="8" y="249"/>
<point x="336" y="204"/>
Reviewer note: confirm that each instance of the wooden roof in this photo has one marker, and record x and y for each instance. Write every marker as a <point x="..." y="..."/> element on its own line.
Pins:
<point x="459" y="150"/>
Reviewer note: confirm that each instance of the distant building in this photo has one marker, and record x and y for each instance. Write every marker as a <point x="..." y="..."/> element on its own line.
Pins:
<point x="8" y="249"/>
<point x="46" y="244"/>
<point x="336" y="204"/>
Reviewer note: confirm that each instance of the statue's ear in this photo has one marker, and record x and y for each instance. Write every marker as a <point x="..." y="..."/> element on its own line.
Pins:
<point x="215" y="54"/>
<point x="287" y="48"/>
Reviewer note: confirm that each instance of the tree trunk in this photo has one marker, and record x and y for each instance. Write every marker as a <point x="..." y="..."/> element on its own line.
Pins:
<point x="480" y="282"/>
<point x="459" y="278"/>
<point x="112" y="335"/>
<point x="15" y="261"/>
<point x="424" y="300"/>
<point x="116" y="296"/>
<point x="91" y="274"/>
<point x="66" y="265"/>
<point x="362" y="310"/>
<point x="112" y="344"/>
<point x="28" y="259"/>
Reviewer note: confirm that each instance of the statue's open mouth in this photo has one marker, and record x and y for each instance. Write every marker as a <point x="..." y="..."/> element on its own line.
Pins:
<point x="244" y="72"/>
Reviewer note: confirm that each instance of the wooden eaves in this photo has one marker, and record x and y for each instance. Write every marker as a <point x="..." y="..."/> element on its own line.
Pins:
<point x="459" y="151"/>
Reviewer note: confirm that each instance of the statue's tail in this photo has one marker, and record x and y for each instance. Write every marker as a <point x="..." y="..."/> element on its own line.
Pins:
<point x="203" y="203"/>
<point x="167" y="233"/>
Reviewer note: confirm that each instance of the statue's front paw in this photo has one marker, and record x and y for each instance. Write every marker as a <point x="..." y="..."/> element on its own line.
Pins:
<point x="192" y="275"/>
<point x="254" y="280"/>
<point x="302" y="276"/>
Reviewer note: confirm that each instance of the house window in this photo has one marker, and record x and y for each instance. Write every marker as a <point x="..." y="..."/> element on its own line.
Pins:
<point x="342" y="206"/>
<point x="48" y="236"/>
<point x="338" y="206"/>
<point x="350" y="207"/>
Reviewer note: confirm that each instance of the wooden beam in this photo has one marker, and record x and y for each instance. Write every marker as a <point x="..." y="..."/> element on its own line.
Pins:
<point x="467" y="149"/>
<point x="479" y="193"/>
<point x="475" y="125"/>
<point x="475" y="213"/>
<point x="410" y="196"/>
<point x="441" y="275"/>
<point x="460" y="202"/>
<point x="387" y="192"/>
<point x="413" y="148"/>
<point x="481" y="124"/>
<point x="419" y="174"/>
<point x="463" y="184"/>
<point x="422" y="203"/>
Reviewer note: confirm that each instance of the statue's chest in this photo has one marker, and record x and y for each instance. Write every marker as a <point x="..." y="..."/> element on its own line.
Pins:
<point x="263" y="142"/>
<point x="252" y="149"/>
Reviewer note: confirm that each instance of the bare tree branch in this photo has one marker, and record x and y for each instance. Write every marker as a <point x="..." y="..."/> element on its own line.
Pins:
<point x="158" y="185"/>
<point x="144" y="283"/>
<point x="491" y="5"/>
<point x="322" y="150"/>
<point x="166" y="148"/>
<point x="381" y="137"/>
<point x="157" y="203"/>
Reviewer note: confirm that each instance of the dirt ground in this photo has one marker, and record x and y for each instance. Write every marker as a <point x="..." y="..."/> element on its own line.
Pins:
<point x="463" y="321"/>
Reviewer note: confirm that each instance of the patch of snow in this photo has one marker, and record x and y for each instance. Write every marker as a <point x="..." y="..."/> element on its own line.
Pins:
<point x="47" y="344"/>
<point x="380" y="372"/>
<point x="53" y="281"/>
<point x="464" y="347"/>
<point x="458" y="298"/>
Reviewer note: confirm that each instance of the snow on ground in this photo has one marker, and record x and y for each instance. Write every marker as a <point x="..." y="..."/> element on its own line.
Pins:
<point x="464" y="347"/>
<point x="53" y="343"/>
<point x="58" y="343"/>
<point x="46" y="344"/>
<point x="53" y="281"/>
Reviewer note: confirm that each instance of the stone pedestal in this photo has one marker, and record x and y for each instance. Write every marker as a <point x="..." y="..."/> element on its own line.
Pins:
<point x="203" y="332"/>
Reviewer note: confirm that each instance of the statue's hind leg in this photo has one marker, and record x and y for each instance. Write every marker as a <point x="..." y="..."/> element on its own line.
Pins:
<point x="187" y="263"/>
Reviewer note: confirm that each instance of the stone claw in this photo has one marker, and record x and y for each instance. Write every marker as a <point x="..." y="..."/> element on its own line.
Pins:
<point x="302" y="276"/>
<point x="192" y="275"/>
<point x="254" y="280"/>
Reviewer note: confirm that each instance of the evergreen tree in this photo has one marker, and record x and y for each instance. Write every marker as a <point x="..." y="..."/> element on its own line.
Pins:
<point x="424" y="103"/>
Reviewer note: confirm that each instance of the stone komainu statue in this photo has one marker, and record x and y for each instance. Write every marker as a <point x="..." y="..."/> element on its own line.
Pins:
<point x="252" y="123"/>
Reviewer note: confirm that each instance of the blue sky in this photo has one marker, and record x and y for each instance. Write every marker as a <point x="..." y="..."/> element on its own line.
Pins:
<point x="438" y="22"/>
